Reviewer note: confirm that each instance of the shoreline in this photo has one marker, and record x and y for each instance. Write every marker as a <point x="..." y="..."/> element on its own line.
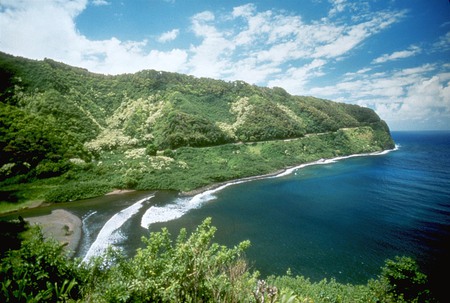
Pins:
<point x="61" y="225"/>
<point x="66" y="227"/>
<point x="239" y="180"/>
<point x="43" y="204"/>
<point x="39" y="204"/>
<point x="281" y="172"/>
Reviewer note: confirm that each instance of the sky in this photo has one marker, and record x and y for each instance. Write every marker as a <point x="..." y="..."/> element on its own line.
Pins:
<point x="389" y="55"/>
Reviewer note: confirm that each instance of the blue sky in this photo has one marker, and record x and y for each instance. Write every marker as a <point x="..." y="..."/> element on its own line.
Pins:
<point x="389" y="55"/>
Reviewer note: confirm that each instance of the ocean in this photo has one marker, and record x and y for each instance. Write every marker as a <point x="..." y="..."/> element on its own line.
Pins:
<point x="342" y="219"/>
<point x="336" y="219"/>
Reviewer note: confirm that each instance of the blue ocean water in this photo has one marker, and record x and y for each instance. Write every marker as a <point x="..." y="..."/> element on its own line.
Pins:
<point x="343" y="220"/>
<point x="337" y="220"/>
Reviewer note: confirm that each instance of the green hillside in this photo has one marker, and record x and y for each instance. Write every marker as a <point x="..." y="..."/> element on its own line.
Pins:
<point x="67" y="133"/>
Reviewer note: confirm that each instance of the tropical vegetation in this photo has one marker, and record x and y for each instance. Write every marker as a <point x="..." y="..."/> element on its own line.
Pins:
<point x="67" y="133"/>
<point x="186" y="268"/>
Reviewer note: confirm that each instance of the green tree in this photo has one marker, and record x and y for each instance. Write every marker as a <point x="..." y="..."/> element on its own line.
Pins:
<point x="151" y="149"/>
<point x="402" y="278"/>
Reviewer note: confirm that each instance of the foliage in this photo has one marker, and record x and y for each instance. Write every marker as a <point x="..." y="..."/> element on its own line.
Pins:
<point x="27" y="141"/>
<point x="402" y="280"/>
<point x="151" y="150"/>
<point x="191" y="269"/>
<point x="68" y="125"/>
<point x="38" y="272"/>
<point x="181" y="129"/>
<point x="11" y="234"/>
<point x="77" y="191"/>
<point x="187" y="268"/>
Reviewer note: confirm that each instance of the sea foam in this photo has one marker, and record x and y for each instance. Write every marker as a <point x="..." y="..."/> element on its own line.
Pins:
<point x="172" y="211"/>
<point x="109" y="234"/>
<point x="180" y="207"/>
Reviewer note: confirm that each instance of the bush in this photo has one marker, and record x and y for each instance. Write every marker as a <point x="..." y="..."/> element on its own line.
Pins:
<point x="190" y="270"/>
<point x="77" y="191"/>
<point x="402" y="279"/>
<point x="38" y="272"/>
<point x="47" y="169"/>
<point x="151" y="150"/>
<point x="169" y="153"/>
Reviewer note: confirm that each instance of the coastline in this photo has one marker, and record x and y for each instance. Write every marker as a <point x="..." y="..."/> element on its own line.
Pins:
<point x="42" y="203"/>
<point x="281" y="172"/>
<point x="213" y="186"/>
<point x="239" y="180"/>
<point x="194" y="199"/>
<point x="61" y="225"/>
<point x="66" y="227"/>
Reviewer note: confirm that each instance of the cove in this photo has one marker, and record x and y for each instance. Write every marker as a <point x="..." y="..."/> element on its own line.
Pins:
<point x="337" y="220"/>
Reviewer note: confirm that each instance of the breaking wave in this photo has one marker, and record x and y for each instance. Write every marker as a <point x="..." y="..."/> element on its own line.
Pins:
<point x="169" y="212"/>
<point x="181" y="206"/>
<point x="110" y="234"/>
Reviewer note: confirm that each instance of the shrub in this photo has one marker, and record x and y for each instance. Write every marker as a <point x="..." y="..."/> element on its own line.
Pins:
<point x="77" y="191"/>
<point x="191" y="269"/>
<point x="38" y="272"/>
<point x="151" y="150"/>
<point x="402" y="279"/>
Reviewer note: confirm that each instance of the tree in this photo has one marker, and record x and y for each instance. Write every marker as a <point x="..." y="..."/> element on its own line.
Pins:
<point x="151" y="150"/>
<point x="404" y="280"/>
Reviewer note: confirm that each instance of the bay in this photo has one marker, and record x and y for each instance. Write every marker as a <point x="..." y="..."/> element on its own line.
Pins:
<point x="343" y="220"/>
<point x="337" y="220"/>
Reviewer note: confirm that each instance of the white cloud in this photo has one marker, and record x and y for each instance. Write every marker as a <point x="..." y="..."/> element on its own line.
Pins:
<point x="244" y="10"/>
<point x="211" y="57"/>
<point x="296" y="78"/>
<point x="347" y="37"/>
<point x="100" y="2"/>
<point x="169" y="36"/>
<point x="39" y="29"/>
<point x="411" y="51"/>
<point x="338" y="6"/>
<point x="443" y="44"/>
<point x="412" y="98"/>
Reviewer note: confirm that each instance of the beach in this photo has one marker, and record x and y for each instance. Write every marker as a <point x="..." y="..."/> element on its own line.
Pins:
<point x="60" y="225"/>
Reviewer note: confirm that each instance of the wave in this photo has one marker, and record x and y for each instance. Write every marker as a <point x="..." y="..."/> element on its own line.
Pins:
<point x="157" y="214"/>
<point x="332" y="160"/>
<point x="110" y="234"/>
<point x="169" y="212"/>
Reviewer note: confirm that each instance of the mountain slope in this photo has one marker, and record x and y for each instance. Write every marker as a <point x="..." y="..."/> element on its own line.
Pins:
<point x="58" y="120"/>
